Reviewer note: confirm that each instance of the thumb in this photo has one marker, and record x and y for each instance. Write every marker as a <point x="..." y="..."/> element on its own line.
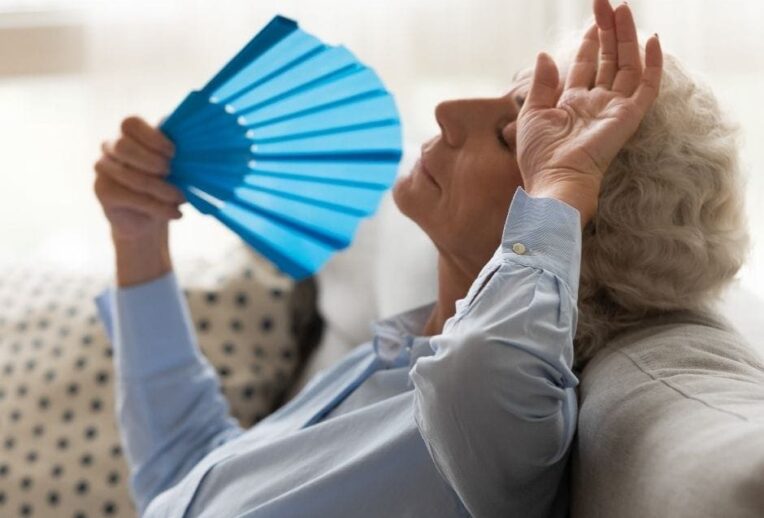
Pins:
<point x="546" y="78"/>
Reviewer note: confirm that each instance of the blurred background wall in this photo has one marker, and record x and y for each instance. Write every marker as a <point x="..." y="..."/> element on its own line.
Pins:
<point x="70" y="70"/>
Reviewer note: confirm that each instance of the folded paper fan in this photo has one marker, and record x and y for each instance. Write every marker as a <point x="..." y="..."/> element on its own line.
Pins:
<point x="290" y="145"/>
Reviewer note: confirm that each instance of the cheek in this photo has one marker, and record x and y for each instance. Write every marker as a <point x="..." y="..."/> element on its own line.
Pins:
<point x="482" y="199"/>
<point x="487" y="184"/>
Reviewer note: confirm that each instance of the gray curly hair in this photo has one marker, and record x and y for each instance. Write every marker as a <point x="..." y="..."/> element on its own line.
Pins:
<point x="670" y="230"/>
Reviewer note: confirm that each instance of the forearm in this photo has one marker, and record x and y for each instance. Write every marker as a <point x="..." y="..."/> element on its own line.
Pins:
<point x="169" y="407"/>
<point x="500" y="384"/>
<point x="142" y="260"/>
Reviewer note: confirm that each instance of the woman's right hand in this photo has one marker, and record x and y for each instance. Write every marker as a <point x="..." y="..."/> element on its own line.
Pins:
<point x="130" y="184"/>
<point x="567" y="137"/>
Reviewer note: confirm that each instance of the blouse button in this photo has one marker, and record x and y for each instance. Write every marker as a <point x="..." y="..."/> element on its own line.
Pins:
<point x="518" y="248"/>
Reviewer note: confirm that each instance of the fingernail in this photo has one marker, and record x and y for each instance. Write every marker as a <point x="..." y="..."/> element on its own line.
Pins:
<point x="656" y="36"/>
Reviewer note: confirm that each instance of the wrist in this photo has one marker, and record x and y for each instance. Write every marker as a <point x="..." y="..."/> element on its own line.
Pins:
<point x="141" y="260"/>
<point x="581" y="195"/>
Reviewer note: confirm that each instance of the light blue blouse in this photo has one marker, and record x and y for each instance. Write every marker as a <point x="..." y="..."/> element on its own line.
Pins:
<point x="477" y="421"/>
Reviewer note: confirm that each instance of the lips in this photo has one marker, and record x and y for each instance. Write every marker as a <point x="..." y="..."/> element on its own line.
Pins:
<point x="426" y="171"/>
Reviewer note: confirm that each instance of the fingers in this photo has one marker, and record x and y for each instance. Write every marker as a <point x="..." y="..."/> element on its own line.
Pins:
<point x="147" y="135"/>
<point x="546" y="78"/>
<point x="608" y="61"/>
<point x="129" y="151"/>
<point x="649" y="86"/>
<point x="584" y="68"/>
<point x="138" y="181"/>
<point x="629" y="63"/>
<point x="118" y="197"/>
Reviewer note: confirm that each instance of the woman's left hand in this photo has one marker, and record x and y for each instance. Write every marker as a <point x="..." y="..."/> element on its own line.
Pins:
<point x="567" y="139"/>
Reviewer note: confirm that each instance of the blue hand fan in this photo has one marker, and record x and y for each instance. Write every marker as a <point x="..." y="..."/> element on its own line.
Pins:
<point x="289" y="145"/>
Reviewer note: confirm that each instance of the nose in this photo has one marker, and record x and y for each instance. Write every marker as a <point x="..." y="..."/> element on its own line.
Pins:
<point x="458" y="118"/>
<point x="447" y="115"/>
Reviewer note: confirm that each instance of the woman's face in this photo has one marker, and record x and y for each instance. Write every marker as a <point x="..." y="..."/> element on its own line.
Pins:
<point x="460" y="189"/>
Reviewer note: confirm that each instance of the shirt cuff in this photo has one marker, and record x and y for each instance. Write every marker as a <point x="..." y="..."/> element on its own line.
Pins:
<point x="150" y="327"/>
<point x="544" y="233"/>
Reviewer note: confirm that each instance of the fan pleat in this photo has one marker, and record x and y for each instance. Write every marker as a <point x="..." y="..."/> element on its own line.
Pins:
<point x="347" y="86"/>
<point x="293" y="253"/>
<point x="325" y="224"/>
<point x="277" y="29"/>
<point x="383" y="139"/>
<point x="360" y="112"/>
<point x="325" y="63"/>
<point x="360" y="201"/>
<point x="283" y="56"/>
<point x="373" y="175"/>
<point x="379" y="174"/>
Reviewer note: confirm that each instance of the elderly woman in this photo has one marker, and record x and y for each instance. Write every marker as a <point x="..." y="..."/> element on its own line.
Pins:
<point x="466" y="406"/>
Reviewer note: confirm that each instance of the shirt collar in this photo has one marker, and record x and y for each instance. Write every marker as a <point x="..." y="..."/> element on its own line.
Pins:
<point x="396" y="337"/>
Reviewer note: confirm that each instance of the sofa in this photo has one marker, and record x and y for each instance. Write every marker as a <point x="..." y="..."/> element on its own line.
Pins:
<point x="671" y="417"/>
<point x="60" y="448"/>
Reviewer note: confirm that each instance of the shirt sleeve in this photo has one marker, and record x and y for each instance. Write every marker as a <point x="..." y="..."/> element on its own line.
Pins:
<point x="170" y="410"/>
<point x="496" y="403"/>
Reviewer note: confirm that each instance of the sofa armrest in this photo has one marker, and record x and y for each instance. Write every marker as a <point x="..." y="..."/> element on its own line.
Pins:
<point x="671" y="423"/>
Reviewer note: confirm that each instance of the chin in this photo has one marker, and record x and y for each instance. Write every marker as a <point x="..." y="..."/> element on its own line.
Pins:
<point x="405" y="197"/>
<point x="415" y="206"/>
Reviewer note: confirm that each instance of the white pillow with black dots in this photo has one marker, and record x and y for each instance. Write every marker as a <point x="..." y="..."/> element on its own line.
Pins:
<point x="60" y="452"/>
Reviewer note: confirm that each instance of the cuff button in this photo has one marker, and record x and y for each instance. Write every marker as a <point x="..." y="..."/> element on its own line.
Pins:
<point x="518" y="248"/>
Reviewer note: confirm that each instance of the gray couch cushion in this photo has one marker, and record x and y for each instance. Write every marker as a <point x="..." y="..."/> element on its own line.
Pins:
<point x="671" y="424"/>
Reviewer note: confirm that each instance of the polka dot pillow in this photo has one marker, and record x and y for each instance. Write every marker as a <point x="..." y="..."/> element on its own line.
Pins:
<point x="60" y="453"/>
